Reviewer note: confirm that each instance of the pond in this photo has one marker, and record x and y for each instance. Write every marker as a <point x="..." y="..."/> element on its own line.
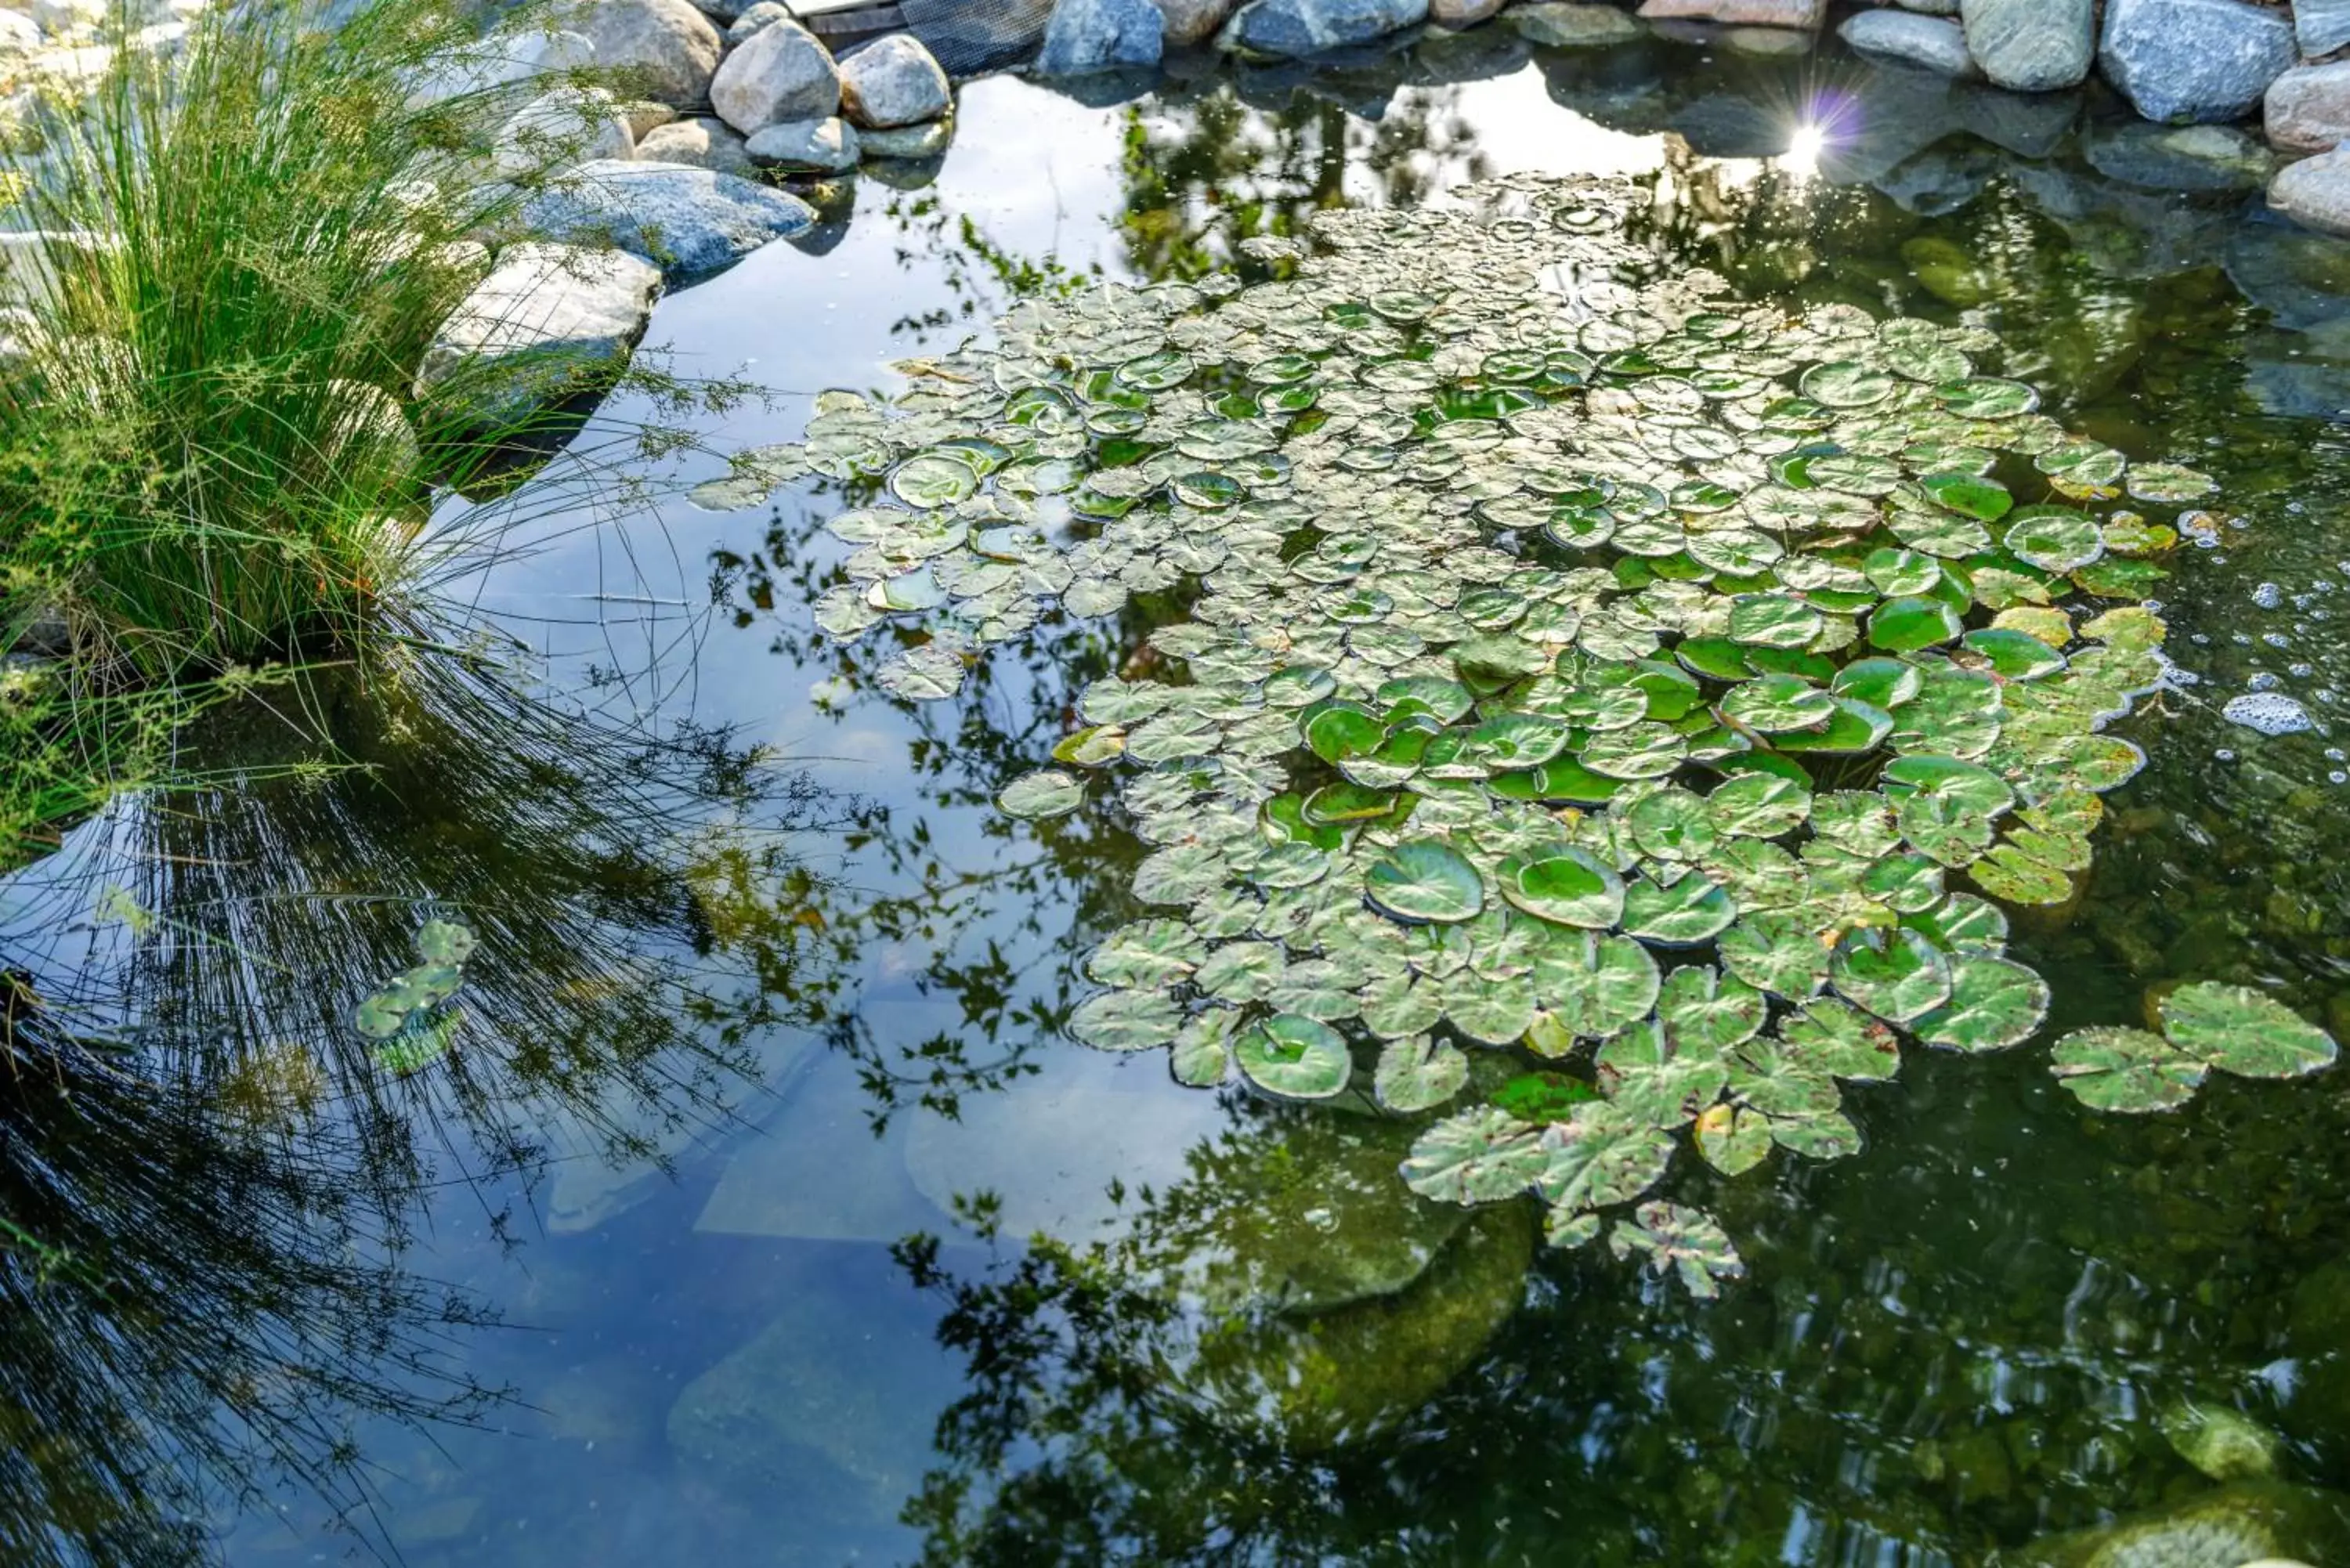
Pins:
<point x="704" y="1235"/>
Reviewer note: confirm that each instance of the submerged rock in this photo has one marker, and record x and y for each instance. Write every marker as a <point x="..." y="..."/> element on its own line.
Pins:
<point x="2032" y="46"/>
<point x="2181" y="60"/>
<point x="550" y="321"/>
<point x="820" y="1409"/>
<point x="2178" y="157"/>
<point x="1088" y="37"/>
<point x="912" y="142"/>
<point x="1573" y="25"/>
<point x="2227" y="1528"/>
<point x="1928" y="43"/>
<point x="2225" y="1445"/>
<point x="2308" y="110"/>
<point x="778" y="73"/>
<point x="1461" y="13"/>
<point x="686" y="221"/>
<point x="892" y="81"/>
<point x="1316" y="27"/>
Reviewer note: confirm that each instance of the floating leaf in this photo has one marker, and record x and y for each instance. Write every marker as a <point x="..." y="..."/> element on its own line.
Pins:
<point x="1682" y="1242"/>
<point x="1425" y="879"/>
<point x="2238" y="1030"/>
<point x="1896" y="974"/>
<point x="1994" y="1003"/>
<point x="1481" y="1156"/>
<point x="1034" y="797"/>
<point x="1294" y="1057"/>
<point x="2116" y="1069"/>
<point x="1126" y="1020"/>
<point x="1570" y="887"/>
<point x="1417" y="1073"/>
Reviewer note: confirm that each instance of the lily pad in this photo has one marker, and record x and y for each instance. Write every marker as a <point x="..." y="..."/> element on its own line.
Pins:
<point x="1425" y="879"/>
<point x="1294" y="1057"/>
<point x="2120" y="1069"/>
<point x="1571" y="888"/>
<point x="2238" y="1030"/>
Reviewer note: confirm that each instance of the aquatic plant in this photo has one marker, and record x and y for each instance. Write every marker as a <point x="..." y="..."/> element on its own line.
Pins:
<point x="1584" y="664"/>
<point x="235" y="255"/>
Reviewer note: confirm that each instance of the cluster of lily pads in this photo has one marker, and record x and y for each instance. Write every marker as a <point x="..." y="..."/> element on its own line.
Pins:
<point x="408" y="1017"/>
<point x="1584" y="666"/>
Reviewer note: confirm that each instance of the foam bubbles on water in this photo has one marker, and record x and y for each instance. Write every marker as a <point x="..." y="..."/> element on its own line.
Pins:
<point x="2268" y="596"/>
<point x="2269" y="713"/>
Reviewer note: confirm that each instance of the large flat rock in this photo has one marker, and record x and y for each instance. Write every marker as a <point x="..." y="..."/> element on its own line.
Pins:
<point x="549" y="322"/>
<point x="688" y="222"/>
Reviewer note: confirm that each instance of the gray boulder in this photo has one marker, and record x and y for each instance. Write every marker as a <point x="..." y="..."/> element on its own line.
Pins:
<point x="1088" y="37"/>
<point x="19" y="34"/>
<point x="499" y="60"/>
<point x="663" y="48"/>
<point x="702" y="143"/>
<point x="1188" y="21"/>
<point x="2244" y="1523"/>
<point x="644" y="115"/>
<point x="567" y="126"/>
<point x="688" y="222"/>
<point x="2324" y="26"/>
<point x="549" y="322"/>
<point x="2308" y="110"/>
<point x="778" y="73"/>
<point x="1315" y="27"/>
<point x="752" y="20"/>
<point x="893" y="81"/>
<point x="2032" y="46"/>
<point x="804" y="147"/>
<point x="1931" y="7"/>
<point x="1739" y="13"/>
<point x="1928" y="43"/>
<point x="2315" y="192"/>
<point x="2194" y="60"/>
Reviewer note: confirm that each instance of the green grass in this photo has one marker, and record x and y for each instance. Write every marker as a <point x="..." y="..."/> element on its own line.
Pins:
<point x="210" y="453"/>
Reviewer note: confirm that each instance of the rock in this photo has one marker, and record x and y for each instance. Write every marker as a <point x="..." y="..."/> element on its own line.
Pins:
<point x="567" y="126"/>
<point x="1087" y="37"/>
<point x="19" y="35"/>
<point x="2301" y="279"/>
<point x="760" y="15"/>
<point x="1299" y="28"/>
<point x="1768" y="42"/>
<point x="1187" y="22"/>
<point x="904" y="173"/>
<point x="892" y="81"/>
<point x="664" y="50"/>
<point x="2178" y="157"/>
<point x="2232" y="1525"/>
<point x="823" y="1407"/>
<point x="550" y="321"/>
<point x="700" y="143"/>
<point x="1326" y="1304"/>
<point x="779" y="73"/>
<point x="1740" y="13"/>
<point x="2224" y="1444"/>
<point x="1458" y="14"/>
<point x="2308" y="110"/>
<point x="1931" y="7"/>
<point x="2315" y="192"/>
<point x="724" y="11"/>
<point x="1928" y="43"/>
<point x="2032" y="46"/>
<point x="1573" y="25"/>
<point x="644" y="116"/>
<point x="804" y="146"/>
<point x="499" y="61"/>
<point x="686" y="221"/>
<point x="2322" y="26"/>
<point x="910" y="141"/>
<point x="2187" y="60"/>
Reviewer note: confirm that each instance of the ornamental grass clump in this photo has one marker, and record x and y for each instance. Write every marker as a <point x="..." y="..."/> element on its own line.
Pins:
<point x="233" y="259"/>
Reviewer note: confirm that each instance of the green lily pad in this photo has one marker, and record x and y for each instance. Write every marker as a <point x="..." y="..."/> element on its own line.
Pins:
<point x="2055" y="538"/>
<point x="1896" y="974"/>
<point x="1417" y="1073"/>
<point x="1994" y="1003"/>
<point x="1127" y="1020"/>
<point x="1570" y="887"/>
<point x="1912" y="625"/>
<point x="1683" y="1242"/>
<point x="1294" y="1057"/>
<point x="2120" y="1069"/>
<point x="1692" y="911"/>
<point x="2238" y="1030"/>
<point x="1481" y="1156"/>
<point x="1424" y="880"/>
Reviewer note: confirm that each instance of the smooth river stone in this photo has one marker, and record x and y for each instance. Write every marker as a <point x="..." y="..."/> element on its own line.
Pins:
<point x="1739" y="13"/>
<point x="689" y="222"/>
<point x="2322" y="26"/>
<point x="1573" y="25"/>
<point x="1316" y="27"/>
<point x="1926" y="43"/>
<point x="550" y="320"/>
<point x="2308" y="108"/>
<point x="2032" y="46"/>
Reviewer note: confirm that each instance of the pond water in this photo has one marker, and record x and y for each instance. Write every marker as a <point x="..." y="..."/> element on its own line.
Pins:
<point x="769" y="992"/>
